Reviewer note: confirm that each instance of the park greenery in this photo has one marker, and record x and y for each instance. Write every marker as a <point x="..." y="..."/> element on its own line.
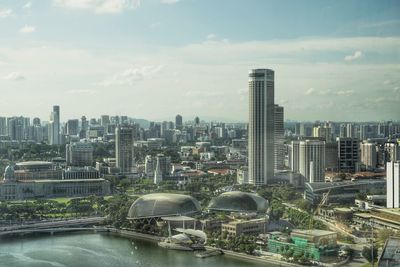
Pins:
<point x="242" y="243"/>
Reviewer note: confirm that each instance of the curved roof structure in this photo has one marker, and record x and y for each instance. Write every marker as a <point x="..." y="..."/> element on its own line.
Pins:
<point x="237" y="201"/>
<point x="34" y="165"/>
<point x="163" y="204"/>
<point x="322" y="187"/>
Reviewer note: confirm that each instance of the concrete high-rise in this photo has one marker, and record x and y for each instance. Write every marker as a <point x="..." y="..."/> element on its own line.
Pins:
<point x="393" y="184"/>
<point x="348" y="154"/>
<point x="369" y="155"/>
<point x="178" y="122"/>
<point x="124" y="138"/>
<point x="261" y="126"/>
<point x="72" y="127"/>
<point x="295" y="156"/>
<point x="279" y="138"/>
<point x="312" y="160"/>
<point x="79" y="154"/>
<point x="54" y="127"/>
<point x="3" y="126"/>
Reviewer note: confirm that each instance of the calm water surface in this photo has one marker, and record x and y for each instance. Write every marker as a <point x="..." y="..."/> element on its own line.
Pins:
<point x="97" y="250"/>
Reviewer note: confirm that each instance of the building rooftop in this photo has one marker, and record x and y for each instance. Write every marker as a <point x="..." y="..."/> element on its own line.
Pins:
<point x="163" y="204"/>
<point x="322" y="186"/>
<point x="390" y="256"/>
<point x="313" y="232"/>
<point x="238" y="201"/>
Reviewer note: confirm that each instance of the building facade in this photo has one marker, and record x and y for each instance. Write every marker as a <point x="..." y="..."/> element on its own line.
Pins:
<point x="279" y="138"/>
<point x="261" y="126"/>
<point x="393" y="184"/>
<point x="312" y="160"/>
<point x="124" y="141"/>
<point x="348" y="154"/>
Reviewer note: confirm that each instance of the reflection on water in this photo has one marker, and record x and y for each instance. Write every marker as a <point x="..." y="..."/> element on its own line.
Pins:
<point x="97" y="250"/>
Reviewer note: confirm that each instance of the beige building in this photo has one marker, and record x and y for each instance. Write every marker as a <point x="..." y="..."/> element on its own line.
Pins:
<point x="248" y="227"/>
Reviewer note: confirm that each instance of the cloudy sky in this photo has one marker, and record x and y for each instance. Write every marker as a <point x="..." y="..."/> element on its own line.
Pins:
<point x="152" y="59"/>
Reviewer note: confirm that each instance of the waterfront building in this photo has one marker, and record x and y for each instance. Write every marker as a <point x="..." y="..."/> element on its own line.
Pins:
<point x="245" y="227"/>
<point x="261" y="126"/>
<point x="393" y="184"/>
<point x="124" y="141"/>
<point x="348" y="154"/>
<point x="312" y="160"/>
<point x="157" y="205"/>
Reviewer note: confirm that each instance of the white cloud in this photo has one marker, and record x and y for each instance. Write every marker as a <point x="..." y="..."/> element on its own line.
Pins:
<point x="169" y="2"/>
<point x="100" y="6"/>
<point x="211" y="36"/>
<point x="357" y="55"/>
<point x="4" y="13"/>
<point x="132" y="75"/>
<point x="387" y="82"/>
<point x="28" y="5"/>
<point x="310" y="91"/>
<point x="27" y="29"/>
<point x="345" y="92"/>
<point x="81" y="92"/>
<point x="14" y="76"/>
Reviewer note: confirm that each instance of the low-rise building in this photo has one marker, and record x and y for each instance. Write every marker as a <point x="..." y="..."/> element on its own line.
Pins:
<point x="245" y="227"/>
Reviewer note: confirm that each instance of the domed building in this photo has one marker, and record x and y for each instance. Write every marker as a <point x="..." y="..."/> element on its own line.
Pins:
<point x="9" y="173"/>
<point x="163" y="204"/>
<point x="237" y="201"/>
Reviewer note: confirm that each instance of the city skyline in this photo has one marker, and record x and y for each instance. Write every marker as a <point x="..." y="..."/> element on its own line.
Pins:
<point x="341" y="65"/>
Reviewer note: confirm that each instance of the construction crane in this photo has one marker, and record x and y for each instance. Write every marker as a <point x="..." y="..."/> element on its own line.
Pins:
<point x="324" y="200"/>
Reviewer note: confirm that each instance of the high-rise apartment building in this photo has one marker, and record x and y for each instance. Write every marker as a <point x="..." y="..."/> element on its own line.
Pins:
<point x="393" y="184"/>
<point x="369" y="155"/>
<point x="312" y="160"/>
<point x="79" y="154"/>
<point x="261" y="126"/>
<point x="279" y="138"/>
<point x="322" y="132"/>
<point x="54" y="126"/>
<point x="124" y="138"/>
<point x="348" y="154"/>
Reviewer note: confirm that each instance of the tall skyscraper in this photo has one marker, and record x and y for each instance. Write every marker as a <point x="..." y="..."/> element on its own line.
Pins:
<point x="72" y="127"/>
<point x="178" y="122"/>
<point x="393" y="184"/>
<point x="124" y="138"/>
<point x="54" y="126"/>
<point x="3" y="126"/>
<point x="279" y="138"/>
<point x="348" y="154"/>
<point x="261" y="125"/>
<point x="295" y="156"/>
<point x="312" y="160"/>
